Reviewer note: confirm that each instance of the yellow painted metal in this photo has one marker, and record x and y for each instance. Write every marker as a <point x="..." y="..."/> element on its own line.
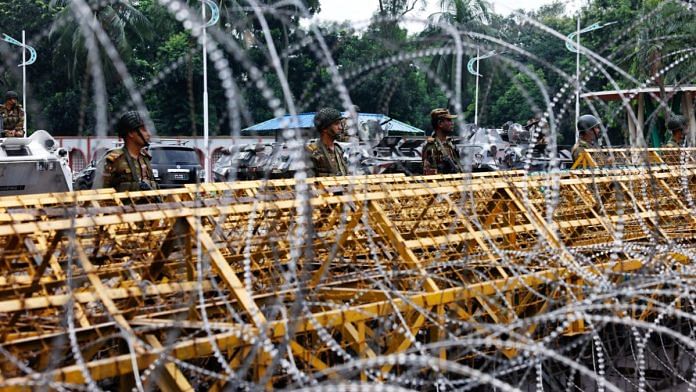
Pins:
<point x="172" y="378"/>
<point x="417" y="252"/>
<point x="628" y="157"/>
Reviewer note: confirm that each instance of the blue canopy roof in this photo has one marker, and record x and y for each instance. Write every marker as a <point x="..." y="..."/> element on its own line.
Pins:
<point x="306" y="121"/>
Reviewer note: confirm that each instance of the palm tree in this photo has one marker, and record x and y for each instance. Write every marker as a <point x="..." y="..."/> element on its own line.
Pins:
<point x="119" y="19"/>
<point x="458" y="12"/>
<point x="465" y="15"/>
<point x="658" y="44"/>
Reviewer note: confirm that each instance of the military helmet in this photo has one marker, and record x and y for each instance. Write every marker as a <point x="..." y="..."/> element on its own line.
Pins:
<point x="439" y="113"/>
<point x="676" y="122"/>
<point x="129" y="121"/>
<point x="587" y="122"/>
<point x="11" y="94"/>
<point x="325" y="117"/>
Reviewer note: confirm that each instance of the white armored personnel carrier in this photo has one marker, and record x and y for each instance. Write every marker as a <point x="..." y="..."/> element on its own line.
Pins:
<point x="33" y="164"/>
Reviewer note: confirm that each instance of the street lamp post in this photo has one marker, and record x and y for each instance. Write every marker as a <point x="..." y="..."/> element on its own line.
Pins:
<point x="470" y="68"/>
<point x="24" y="80"/>
<point x="25" y="62"/>
<point x="575" y="48"/>
<point x="215" y="16"/>
<point x="478" y="53"/>
<point x="206" y="166"/>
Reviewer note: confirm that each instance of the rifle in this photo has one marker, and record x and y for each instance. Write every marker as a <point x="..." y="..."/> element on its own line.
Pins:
<point x="447" y="165"/>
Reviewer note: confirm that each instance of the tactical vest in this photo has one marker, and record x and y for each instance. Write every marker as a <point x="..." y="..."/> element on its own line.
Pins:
<point x="444" y="156"/>
<point x="326" y="162"/>
<point x="11" y="118"/>
<point x="129" y="179"/>
<point x="578" y="149"/>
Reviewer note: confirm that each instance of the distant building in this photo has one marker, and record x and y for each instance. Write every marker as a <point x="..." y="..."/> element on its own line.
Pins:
<point x="305" y="123"/>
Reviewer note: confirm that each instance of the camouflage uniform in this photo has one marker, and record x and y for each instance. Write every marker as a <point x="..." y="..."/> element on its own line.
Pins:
<point x="579" y="148"/>
<point x="440" y="158"/>
<point x="677" y="124"/>
<point x="325" y="162"/>
<point x="670" y="144"/>
<point x="12" y="120"/>
<point x="124" y="173"/>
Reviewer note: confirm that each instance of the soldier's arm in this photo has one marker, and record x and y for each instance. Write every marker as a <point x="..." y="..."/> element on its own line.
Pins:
<point x="455" y="154"/>
<point x="577" y="151"/>
<point x="311" y="162"/>
<point x="19" y="128"/>
<point x="103" y="175"/>
<point x="342" y="156"/>
<point x="457" y="159"/>
<point x="429" y="164"/>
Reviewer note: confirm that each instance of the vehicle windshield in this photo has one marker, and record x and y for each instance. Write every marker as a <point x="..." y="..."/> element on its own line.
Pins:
<point x="175" y="156"/>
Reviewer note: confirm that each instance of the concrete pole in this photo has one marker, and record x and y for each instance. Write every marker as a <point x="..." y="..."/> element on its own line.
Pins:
<point x="206" y="146"/>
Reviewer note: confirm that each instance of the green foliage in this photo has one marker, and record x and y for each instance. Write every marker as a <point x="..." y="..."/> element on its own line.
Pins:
<point x="518" y="100"/>
<point x="381" y="66"/>
<point x="120" y="20"/>
<point x="31" y="16"/>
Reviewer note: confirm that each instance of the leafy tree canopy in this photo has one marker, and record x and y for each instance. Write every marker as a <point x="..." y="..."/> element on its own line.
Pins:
<point x="384" y="68"/>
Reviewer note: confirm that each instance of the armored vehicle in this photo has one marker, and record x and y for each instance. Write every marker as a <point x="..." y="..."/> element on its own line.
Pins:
<point x="33" y="164"/>
<point x="395" y="154"/>
<point x="527" y="148"/>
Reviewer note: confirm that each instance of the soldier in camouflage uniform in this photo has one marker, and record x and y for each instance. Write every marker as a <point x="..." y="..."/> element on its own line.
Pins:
<point x="128" y="168"/>
<point x="589" y="131"/>
<point x="12" y="116"/>
<point x="439" y="154"/>
<point x="326" y="155"/>
<point x="676" y="125"/>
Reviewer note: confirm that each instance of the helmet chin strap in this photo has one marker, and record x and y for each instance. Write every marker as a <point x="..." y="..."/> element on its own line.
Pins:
<point x="334" y="133"/>
<point x="145" y="142"/>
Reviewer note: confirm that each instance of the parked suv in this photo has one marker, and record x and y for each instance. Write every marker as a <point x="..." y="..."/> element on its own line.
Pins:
<point x="173" y="165"/>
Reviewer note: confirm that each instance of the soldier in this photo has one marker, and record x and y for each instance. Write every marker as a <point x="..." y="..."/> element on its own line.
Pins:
<point x="589" y="129"/>
<point x="676" y="125"/>
<point x="345" y="136"/>
<point x="439" y="154"/>
<point x="12" y="116"/>
<point x="326" y="155"/>
<point x="128" y="168"/>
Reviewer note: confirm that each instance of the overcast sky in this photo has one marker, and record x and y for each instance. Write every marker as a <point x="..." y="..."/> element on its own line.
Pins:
<point x="357" y="11"/>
